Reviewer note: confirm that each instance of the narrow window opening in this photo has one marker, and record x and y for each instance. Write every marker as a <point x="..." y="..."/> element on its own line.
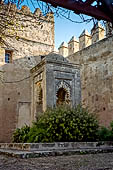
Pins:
<point x="104" y="108"/>
<point x="8" y="56"/>
<point x="39" y="100"/>
<point x="40" y="97"/>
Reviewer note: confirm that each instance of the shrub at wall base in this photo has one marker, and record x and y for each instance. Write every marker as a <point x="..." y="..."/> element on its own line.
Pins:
<point x="61" y="124"/>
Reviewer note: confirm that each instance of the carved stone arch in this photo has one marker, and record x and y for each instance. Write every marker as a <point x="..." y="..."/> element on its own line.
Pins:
<point x="63" y="92"/>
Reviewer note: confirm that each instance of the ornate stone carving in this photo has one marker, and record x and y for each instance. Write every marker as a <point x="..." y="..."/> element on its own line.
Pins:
<point x="63" y="92"/>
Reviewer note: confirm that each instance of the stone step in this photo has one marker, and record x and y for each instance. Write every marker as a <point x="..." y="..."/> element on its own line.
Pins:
<point x="56" y="146"/>
<point x="34" y="154"/>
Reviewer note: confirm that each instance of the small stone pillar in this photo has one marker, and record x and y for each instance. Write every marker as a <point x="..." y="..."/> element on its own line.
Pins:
<point x="63" y="49"/>
<point x="38" y="12"/>
<point x="97" y="32"/>
<point x="109" y="29"/>
<point x="50" y="16"/>
<point x="73" y="45"/>
<point x="84" y="40"/>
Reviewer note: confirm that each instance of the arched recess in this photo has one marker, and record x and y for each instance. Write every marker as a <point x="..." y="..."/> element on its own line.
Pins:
<point x="63" y="93"/>
<point x="39" y="98"/>
<point x="62" y="96"/>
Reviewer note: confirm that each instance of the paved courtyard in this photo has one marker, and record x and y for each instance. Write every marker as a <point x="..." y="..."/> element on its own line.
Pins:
<point x="75" y="162"/>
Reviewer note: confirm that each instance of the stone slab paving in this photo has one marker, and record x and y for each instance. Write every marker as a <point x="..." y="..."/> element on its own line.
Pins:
<point x="101" y="161"/>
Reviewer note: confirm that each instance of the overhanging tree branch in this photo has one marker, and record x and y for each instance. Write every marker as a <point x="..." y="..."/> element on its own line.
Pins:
<point x="81" y="7"/>
<point x="89" y="2"/>
<point x="99" y="9"/>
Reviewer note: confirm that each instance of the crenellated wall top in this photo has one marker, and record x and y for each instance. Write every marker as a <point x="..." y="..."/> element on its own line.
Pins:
<point x="85" y="39"/>
<point x="27" y="12"/>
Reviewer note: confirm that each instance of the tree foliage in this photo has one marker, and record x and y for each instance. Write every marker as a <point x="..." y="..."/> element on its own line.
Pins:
<point x="63" y="124"/>
<point x="21" y="134"/>
<point x="106" y="134"/>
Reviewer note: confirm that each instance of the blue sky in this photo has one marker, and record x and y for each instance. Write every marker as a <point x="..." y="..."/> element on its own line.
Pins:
<point x="65" y="29"/>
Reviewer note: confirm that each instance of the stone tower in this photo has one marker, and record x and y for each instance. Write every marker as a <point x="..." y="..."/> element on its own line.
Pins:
<point x="84" y="40"/>
<point x="63" y="49"/>
<point x="28" y="38"/>
<point x="73" y="45"/>
<point x="97" y="32"/>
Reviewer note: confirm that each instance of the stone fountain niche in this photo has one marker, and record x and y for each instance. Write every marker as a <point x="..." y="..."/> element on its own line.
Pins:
<point x="55" y="81"/>
<point x="63" y="93"/>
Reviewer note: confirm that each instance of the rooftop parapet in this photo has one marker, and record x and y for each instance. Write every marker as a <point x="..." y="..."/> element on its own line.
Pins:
<point x="38" y="12"/>
<point x="26" y="11"/>
<point x="73" y="45"/>
<point x="84" y="40"/>
<point x="97" y="32"/>
<point x="63" y="49"/>
<point x="50" y="16"/>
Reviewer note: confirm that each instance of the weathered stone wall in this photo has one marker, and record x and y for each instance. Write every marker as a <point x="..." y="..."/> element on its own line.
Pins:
<point x="29" y="34"/>
<point x="96" y="62"/>
<point x="15" y="96"/>
<point x="13" y="93"/>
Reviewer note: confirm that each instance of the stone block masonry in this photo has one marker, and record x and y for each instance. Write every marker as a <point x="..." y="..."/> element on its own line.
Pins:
<point x="96" y="72"/>
<point x="30" y="34"/>
<point x="26" y="37"/>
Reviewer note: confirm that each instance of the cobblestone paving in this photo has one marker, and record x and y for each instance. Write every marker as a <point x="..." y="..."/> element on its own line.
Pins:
<point x="74" y="162"/>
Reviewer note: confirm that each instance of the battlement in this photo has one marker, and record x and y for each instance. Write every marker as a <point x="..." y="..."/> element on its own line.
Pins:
<point x="26" y="33"/>
<point x="85" y="39"/>
<point x="12" y="8"/>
